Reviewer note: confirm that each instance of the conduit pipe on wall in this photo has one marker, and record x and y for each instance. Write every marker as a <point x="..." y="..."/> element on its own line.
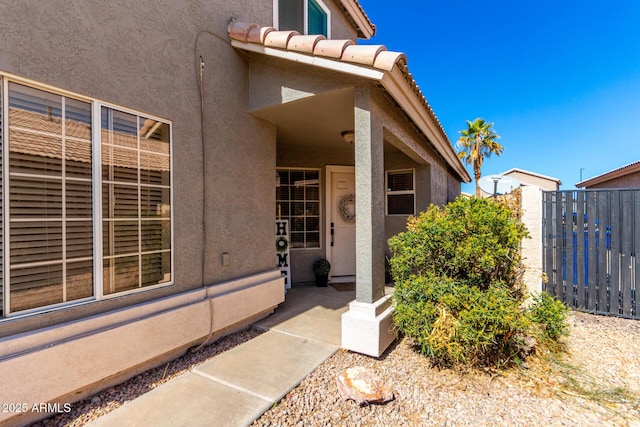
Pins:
<point x="200" y="66"/>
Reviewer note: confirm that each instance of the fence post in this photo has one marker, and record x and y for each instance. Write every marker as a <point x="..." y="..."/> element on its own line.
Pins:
<point x="531" y="200"/>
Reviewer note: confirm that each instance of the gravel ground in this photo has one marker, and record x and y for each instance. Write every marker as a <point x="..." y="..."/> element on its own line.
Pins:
<point x="598" y="384"/>
<point x="604" y="353"/>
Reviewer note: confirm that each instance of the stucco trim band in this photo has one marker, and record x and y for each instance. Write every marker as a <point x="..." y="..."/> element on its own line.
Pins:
<point x="66" y="362"/>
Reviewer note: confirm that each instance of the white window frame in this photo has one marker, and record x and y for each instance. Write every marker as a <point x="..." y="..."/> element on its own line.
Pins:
<point x="276" y="15"/>
<point x="397" y="193"/>
<point x="96" y="142"/>
<point x="315" y="248"/>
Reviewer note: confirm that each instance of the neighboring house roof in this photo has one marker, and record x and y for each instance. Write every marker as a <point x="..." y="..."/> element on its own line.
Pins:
<point x="615" y="173"/>
<point x="366" y="29"/>
<point x="537" y="175"/>
<point x="33" y="133"/>
<point x="374" y="62"/>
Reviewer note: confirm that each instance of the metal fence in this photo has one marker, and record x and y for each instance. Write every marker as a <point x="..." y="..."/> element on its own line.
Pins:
<point x="590" y="239"/>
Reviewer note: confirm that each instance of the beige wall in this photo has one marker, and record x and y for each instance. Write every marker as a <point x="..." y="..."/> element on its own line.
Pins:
<point x="532" y="247"/>
<point x="545" y="184"/>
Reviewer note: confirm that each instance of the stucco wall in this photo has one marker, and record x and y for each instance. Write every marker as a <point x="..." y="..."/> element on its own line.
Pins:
<point x="631" y="180"/>
<point x="341" y="27"/>
<point x="143" y="55"/>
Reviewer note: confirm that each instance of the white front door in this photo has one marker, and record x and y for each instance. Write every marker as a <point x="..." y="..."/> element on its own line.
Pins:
<point x="341" y="226"/>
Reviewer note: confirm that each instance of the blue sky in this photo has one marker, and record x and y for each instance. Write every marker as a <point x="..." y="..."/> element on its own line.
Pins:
<point x="560" y="80"/>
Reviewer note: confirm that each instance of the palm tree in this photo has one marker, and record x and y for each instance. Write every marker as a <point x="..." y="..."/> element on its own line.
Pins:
<point x="478" y="141"/>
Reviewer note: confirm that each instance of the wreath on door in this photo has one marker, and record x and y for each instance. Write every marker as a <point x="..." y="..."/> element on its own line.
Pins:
<point x="347" y="208"/>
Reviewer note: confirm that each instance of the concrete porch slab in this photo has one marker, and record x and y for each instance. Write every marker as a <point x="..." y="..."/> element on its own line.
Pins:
<point x="268" y="366"/>
<point x="313" y="313"/>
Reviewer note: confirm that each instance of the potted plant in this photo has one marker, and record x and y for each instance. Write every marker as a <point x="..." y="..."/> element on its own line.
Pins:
<point x="321" y="268"/>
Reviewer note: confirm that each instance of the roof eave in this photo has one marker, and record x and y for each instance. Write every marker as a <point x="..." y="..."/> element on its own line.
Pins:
<point x="394" y="81"/>
<point x="396" y="84"/>
<point x="317" y="61"/>
<point x="366" y="29"/>
<point x="616" y="173"/>
<point x="538" y="175"/>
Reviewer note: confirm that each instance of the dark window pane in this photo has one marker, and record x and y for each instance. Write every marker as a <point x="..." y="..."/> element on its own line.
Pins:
<point x="33" y="197"/>
<point x="312" y="224"/>
<point x="155" y="202"/>
<point x="313" y="193"/>
<point x="156" y="268"/>
<point x="34" y="287"/>
<point x="79" y="199"/>
<point x="154" y="168"/>
<point x="298" y="208"/>
<point x="79" y="280"/>
<point x="297" y="193"/>
<point x="310" y="175"/>
<point x="400" y="204"/>
<point x="78" y="159"/>
<point x="120" y="274"/>
<point x="35" y="242"/>
<point x="35" y="153"/>
<point x="78" y="119"/>
<point x="297" y="240"/>
<point x="120" y="237"/>
<point x="313" y="208"/>
<point x="313" y="240"/>
<point x="79" y="239"/>
<point x="291" y="15"/>
<point x="156" y="235"/>
<point x="400" y="181"/>
<point x="284" y="177"/>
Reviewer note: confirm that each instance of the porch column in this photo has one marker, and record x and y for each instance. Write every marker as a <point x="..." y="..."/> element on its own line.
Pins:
<point x="367" y="326"/>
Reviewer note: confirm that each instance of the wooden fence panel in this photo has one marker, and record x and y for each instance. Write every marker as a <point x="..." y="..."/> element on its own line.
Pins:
<point x="570" y="252"/>
<point x="590" y="239"/>
<point x="592" y="255"/>
<point x="626" y="243"/>
<point x="580" y="259"/>
<point x="603" y="252"/>
<point x="614" y="255"/>
<point x="560" y="247"/>
<point x="636" y="258"/>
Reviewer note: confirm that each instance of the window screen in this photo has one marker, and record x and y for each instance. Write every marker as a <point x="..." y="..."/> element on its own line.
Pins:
<point x="291" y="15"/>
<point x="303" y="16"/>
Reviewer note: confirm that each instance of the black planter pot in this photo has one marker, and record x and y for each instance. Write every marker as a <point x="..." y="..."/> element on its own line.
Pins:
<point x="321" y="280"/>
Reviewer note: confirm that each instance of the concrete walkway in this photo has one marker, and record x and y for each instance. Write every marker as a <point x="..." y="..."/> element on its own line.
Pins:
<point x="236" y="387"/>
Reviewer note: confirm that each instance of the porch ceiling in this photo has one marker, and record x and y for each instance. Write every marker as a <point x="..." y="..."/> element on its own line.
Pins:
<point x="316" y="121"/>
<point x="313" y="121"/>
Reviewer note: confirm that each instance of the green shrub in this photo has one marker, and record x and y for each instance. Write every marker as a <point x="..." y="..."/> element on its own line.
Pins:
<point x="473" y="240"/>
<point x="549" y="315"/>
<point x="457" y="271"/>
<point x="454" y="323"/>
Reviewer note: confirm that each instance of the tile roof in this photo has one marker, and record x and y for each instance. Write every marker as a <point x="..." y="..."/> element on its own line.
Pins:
<point x="375" y="57"/>
<point x="32" y="133"/>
